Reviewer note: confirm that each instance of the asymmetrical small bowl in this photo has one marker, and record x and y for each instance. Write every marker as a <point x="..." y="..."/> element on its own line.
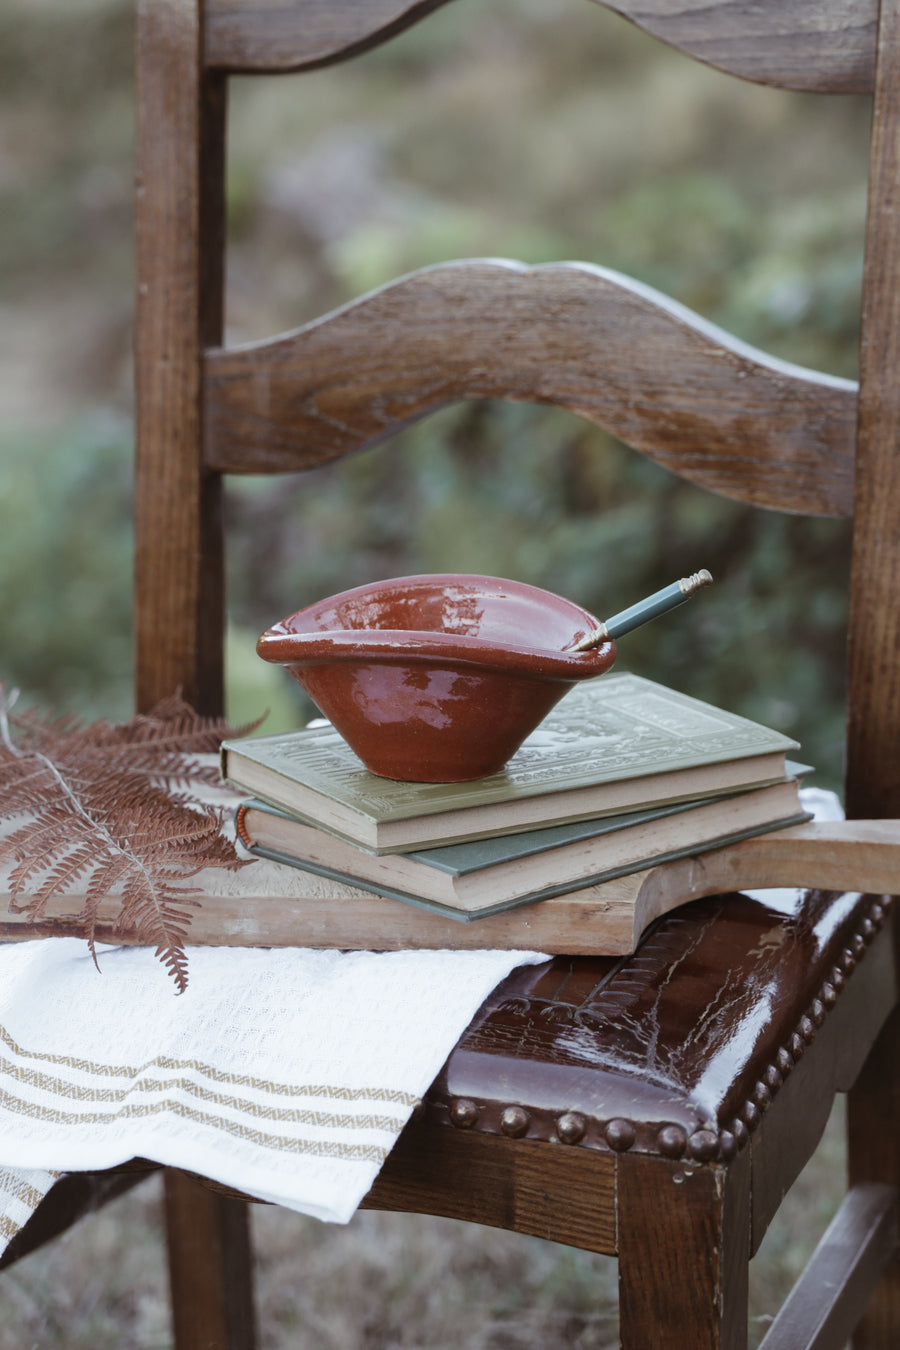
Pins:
<point x="436" y="678"/>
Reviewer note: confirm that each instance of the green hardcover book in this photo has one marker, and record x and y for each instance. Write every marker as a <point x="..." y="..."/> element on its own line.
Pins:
<point x="484" y="876"/>
<point x="616" y="744"/>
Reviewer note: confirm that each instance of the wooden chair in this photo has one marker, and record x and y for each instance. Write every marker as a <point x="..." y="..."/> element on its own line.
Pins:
<point x="658" y="1107"/>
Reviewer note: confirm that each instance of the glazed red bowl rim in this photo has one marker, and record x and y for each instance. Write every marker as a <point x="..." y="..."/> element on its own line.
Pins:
<point x="286" y="646"/>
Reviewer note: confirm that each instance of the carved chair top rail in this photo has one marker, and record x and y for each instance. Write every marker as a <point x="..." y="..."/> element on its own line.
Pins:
<point x="617" y="352"/>
<point x="792" y="44"/>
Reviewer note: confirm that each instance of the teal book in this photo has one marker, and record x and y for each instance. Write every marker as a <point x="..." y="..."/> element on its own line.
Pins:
<point x="615" y="744"/>
<point x="484" y="876"/>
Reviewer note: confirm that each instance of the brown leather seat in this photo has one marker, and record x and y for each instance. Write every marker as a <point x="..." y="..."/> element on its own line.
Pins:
<point x="680" y="1049"/>
<point x="710" y="1057"/>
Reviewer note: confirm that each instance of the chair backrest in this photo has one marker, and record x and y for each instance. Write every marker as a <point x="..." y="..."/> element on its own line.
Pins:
<point x="661" y="378"/>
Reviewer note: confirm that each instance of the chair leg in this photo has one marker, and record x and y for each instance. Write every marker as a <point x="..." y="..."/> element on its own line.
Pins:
<point x="210" y="1267"/>
<point x="873" y="1154"/>
<point x="684" y="1252"/>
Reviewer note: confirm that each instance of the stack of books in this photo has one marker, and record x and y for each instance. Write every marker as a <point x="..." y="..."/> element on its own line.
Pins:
<point x="622" y="775"/>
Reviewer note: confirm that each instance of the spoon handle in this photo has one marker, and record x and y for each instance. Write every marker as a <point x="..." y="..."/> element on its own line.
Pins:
<point x="645" y="610"/>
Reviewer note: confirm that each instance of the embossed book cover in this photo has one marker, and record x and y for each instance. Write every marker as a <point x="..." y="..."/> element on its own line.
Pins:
<point x="616" y="744"/>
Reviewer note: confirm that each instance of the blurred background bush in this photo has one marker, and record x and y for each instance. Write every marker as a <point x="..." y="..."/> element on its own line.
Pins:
<point x="533" y="129"/>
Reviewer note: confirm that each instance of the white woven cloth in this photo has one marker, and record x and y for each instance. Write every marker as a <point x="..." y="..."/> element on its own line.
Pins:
<point x="287" y="1074"/>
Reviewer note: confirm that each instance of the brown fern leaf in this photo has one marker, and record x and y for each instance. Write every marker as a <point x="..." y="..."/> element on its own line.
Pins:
<point x="107" y="810"/>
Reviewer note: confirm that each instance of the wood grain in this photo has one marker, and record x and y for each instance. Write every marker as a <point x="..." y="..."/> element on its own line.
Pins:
<point x="824" y="45"/>
<point x="283" y="35"/>
<point x="794" y="44"/>
<point x="873" y="737"/>
<point x="506" y="1183"/>
<point x="834" y="856"/>
<point x="210" y="1266"/>
<point x="178" y="595"/>
<point x="617" y="352"/>
<point x="691" y="1226"/>
<point x="269" y="905"/>
<point x="179" y="237"/>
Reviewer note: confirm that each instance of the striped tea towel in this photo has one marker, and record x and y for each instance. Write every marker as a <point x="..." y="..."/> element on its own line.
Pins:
<point x="287" y="1074"/>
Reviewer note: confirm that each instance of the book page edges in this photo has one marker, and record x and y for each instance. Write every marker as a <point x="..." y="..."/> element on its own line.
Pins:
<point x="526" y="813"/>
<point x="584" y="889"/>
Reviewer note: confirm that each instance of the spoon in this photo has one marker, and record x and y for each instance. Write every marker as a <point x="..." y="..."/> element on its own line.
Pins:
<point x="645" y="610"/>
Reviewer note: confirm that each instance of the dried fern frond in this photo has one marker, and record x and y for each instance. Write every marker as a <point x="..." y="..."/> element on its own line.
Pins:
<point x="104" y="808"/>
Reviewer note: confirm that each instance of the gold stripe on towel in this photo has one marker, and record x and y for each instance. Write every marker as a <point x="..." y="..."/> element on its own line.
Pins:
<point x="137" y="1111"/>
<point x="388" y="1095"/>
<point x="64" y="1087"/>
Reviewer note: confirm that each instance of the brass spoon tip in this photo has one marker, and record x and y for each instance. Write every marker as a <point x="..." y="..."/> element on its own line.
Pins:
<point x="690" y="585"/>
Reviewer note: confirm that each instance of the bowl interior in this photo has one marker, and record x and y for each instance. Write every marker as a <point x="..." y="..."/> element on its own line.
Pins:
<point x="489" y="608"/>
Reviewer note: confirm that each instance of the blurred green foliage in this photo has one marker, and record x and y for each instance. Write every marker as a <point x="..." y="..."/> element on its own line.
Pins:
<point x="532" y="130"/>
<point x="65" y="547"/>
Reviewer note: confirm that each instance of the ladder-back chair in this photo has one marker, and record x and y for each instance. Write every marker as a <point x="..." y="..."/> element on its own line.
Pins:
<point x="658" y="1108"/>
<point x="655" y="1108"/>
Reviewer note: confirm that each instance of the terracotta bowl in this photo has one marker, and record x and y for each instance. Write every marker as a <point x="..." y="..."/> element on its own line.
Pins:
<point x="437" y="678"/>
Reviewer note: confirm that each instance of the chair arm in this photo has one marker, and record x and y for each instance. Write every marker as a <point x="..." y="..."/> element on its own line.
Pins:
<point x="840" y="855"/>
